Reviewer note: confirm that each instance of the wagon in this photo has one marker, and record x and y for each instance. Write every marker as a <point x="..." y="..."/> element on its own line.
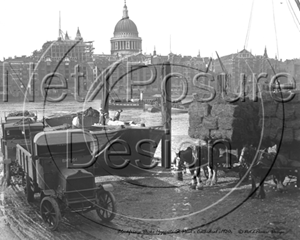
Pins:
<point x="51" y="167"/>
<point x="16" y="130"/>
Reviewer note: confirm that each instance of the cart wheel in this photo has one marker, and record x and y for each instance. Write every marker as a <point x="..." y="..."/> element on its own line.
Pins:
<point x="28" y="190"/>
<point x="106" y="206"/>
<point x="50" y="212"/>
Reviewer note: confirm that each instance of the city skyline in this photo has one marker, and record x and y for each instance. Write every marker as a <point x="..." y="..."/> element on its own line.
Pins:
<point x="191" y="28"/>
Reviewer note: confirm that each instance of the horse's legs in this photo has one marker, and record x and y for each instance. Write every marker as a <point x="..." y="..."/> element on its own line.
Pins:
<point x="214" y="176"/>
<point x="193" y="183"/>
<point x="205" y="172"/>
<point x="280" y="180"/>
<point x="198" y="177"/>
<point x="208" y="181"/>
<point x="253" y="182"/>
<point x="261" y="190"/>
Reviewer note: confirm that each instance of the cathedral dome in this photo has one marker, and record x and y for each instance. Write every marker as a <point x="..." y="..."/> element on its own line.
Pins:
<point x="126" y="40"/>
<point x="125" y="26"/>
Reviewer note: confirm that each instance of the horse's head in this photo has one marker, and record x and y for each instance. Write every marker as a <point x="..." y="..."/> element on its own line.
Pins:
<point x="247" y="155"/>
<point x="179" y="161"/>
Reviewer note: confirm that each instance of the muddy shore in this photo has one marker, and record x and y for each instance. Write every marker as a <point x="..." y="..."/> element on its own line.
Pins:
<point x="156" y="206"/>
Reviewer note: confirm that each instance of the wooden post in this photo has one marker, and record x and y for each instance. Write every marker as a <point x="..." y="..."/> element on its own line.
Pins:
<point x="7" y="163"/>
<point x="166" y="116"/>
<point x="5" y="87"/>
<point x="105" y="95"/>
<point x="298" y="177"/>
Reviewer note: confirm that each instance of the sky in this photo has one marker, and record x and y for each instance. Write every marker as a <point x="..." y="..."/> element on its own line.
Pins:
<point x="182" y="27"/>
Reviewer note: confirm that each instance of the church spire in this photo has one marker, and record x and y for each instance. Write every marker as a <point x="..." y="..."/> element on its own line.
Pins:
<point x="78" y="35"/>
<point x="199" y="56"/>
<point x="265" y="53"/>
<point x="125" y="11"/>
<point x="67" y="36"/>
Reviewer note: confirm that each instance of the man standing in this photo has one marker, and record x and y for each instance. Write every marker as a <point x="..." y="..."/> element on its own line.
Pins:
<point x="101" y="116"/>
<point x="117" y="115"/>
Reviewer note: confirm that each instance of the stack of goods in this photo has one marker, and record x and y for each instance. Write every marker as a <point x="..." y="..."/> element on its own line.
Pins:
<point x="218" y="119"/>
<point x="280" y="121"/>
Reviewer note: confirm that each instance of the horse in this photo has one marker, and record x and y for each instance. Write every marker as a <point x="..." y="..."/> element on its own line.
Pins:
<point x="193" y="156"/>
<point x="189" y="156"/>
<point x="260" y="163"/>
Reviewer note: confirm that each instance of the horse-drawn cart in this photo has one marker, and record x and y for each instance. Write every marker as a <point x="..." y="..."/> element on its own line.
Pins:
<point x="48" y="168"/>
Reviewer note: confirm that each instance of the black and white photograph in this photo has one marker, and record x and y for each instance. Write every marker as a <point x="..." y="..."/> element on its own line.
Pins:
<point x="134" y="119"/>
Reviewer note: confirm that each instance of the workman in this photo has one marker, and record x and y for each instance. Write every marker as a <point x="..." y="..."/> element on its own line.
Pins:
<point x="117" y="115"/>
<point x="101" y="116"/>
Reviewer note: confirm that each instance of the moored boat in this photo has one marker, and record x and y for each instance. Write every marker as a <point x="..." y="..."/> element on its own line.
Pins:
<point x="89" y="117"/>
<point x="116" y="143"/>
<point x="15" y="116"/>
<point x="113" y="105"/>
<point x="179" y="110"/>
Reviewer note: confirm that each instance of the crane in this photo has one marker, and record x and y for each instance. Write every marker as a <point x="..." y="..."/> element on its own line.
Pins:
<point x="224" y="85"/>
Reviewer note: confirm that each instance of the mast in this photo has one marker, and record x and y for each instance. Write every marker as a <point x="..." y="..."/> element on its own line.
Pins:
<point x="129" y="86"/>
<point x="60" y="32"/>
<point x="170" y="44"/>
<point x="59" y="27"/>
<point x="105" y="95"/>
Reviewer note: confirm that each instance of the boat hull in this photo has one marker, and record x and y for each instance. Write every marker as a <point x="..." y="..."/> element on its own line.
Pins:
<point x="117" y="144"/>
<point x="137" y="145"/>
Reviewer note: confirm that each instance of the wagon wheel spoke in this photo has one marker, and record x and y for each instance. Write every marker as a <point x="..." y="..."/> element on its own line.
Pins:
<point x="106" y="206"/>
<point x="106" y="214"/>
<point x="106" y="203"/>
<point x="47" y="210"/>
<point x="50" y="212"/>
<point x="103" y="212"/>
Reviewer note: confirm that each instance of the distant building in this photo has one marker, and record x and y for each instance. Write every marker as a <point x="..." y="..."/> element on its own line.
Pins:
<point x="292" y="67"/>
<point x="245" y="62"/>
<point x="62" y="55"/>
<point x="16" y="72"/>
<point x="59" y="57"/>
<point x="126" y="38"/>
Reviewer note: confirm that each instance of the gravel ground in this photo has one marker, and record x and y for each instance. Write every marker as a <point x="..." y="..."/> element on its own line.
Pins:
<point x="156" y="206"/>
<point x="157" y="203"/>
